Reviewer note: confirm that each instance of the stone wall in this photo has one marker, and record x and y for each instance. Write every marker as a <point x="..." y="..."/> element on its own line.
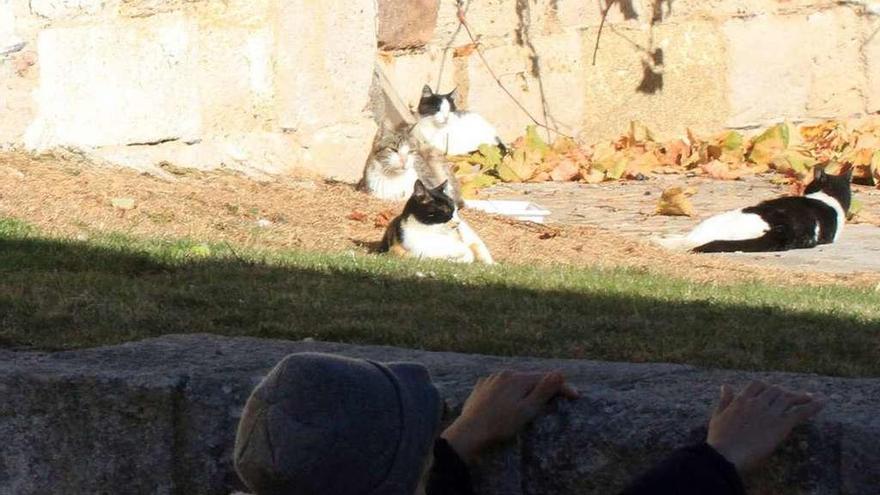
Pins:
<point x="159" y="417"/>
<point x="738" y="64"/>
<point x="262" y="85"/>
<point x="270" y="85"/>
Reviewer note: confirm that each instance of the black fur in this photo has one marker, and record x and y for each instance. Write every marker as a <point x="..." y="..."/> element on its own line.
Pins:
<point x="428" y="206"/>
<point x="793" y="220"/>
<point x="430" y="102"/>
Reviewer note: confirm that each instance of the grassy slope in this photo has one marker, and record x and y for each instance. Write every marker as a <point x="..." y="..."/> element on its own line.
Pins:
<point x="57" y="293"/>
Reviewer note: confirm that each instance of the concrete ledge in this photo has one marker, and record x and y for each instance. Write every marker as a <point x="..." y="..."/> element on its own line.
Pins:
<point x="159" y="416"/>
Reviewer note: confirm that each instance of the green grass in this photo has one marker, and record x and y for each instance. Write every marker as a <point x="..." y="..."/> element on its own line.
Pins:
<point x="60" y="294"/>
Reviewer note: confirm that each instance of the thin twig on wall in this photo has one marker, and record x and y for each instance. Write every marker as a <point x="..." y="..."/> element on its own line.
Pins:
<point x="608" y="5"/>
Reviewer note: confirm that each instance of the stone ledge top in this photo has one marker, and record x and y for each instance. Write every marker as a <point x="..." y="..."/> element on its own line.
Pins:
<point x="184" y="355"/>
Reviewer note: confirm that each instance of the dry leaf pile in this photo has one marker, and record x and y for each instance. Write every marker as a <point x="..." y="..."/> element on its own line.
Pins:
<point x="785" y="149"/>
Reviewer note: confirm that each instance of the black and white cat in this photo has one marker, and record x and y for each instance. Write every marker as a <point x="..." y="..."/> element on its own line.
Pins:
<point x="442" y="126"/>
<point x="430" y="227"/>
<point x="398" y="159"/>
<point x="778" y="224"/>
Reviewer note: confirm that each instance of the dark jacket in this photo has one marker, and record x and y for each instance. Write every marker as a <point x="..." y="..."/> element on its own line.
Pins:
<point x="695" y="470"/>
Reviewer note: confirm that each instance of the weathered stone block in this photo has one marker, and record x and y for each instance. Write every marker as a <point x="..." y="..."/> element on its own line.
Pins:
<point x="487" y="18"/>
<point x="406" y="23"/>
<point x="254" y="154"/>
<point x="159" y="416"/>
<point x="325" y="61"/>
<point x="59" y="9"/>
<point x="693" y="93"/>
<point x="326" y="54"/>
<point x="550" y="16"/>
<point x="838" y="79"/>
<point x="408" y="73"/>
<point x="871" y="53"/>
<point x="9" y="40"/>
<point x="235" y="79"/>
<point x="64" y="428"/>
<point x="769" y="69"/>
<point x="338" y="151"/>
<point x="129" y="82"/>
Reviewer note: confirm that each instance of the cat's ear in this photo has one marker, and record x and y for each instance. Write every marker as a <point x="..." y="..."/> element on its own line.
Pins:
<point x="453" y="95"/>
<point x="442" y="187"/>
<point x="427" y="92"/>
<point x="419" y="189"/>
<point x="819" y="173"/>
<point x="849" y="174"/>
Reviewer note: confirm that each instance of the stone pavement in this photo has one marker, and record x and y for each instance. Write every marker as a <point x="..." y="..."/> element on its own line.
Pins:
<point x="628" y="208"/>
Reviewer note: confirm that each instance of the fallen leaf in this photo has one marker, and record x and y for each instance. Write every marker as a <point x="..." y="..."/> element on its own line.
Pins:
<point x="767" y="146"/>
<point x="565" y="171"/>
<point x="124" y="204"/>
<point x="854" y="208"/>
<point x="675" y="202"/>
<point x="673" y="152"/>
<point x="594" y="176"/>
<point x="384" y="218"/>
<point x="542" y="177"/>
<point x="719" y="170"/>
<point x="357" y="216"/>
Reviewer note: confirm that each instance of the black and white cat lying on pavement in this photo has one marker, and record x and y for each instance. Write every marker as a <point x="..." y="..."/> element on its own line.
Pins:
<point x="778" y="224"/>
<point x="445" y="128"/>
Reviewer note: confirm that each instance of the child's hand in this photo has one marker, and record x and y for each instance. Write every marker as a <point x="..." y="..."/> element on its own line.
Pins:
<point x="500" y="406"/>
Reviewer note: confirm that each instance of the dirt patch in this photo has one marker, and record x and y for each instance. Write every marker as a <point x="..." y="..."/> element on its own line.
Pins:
<point x="68" y="196"/>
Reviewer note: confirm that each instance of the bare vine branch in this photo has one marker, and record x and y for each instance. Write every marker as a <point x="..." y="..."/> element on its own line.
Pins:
<point x="608" y="5"/>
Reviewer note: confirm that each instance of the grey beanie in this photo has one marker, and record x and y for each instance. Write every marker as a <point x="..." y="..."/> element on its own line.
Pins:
<point x="331" y="425"/>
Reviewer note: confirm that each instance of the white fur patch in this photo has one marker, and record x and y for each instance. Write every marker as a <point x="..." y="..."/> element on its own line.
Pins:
<point x="828" y="200"/>
<point x="439" y="241"/>
<point x="473" y="241"/>
<point x="453" y="241"/>
<point x="458" y="134"/>
<point x="395" y="187"/>
<point x="728" y="226"/>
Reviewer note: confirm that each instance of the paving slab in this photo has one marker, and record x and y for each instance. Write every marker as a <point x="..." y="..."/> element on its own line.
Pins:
<point x="628" y="208"/>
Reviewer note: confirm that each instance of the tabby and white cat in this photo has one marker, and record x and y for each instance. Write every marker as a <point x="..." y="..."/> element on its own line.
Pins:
<point x="398" y="159"/>
<point x="778" y="224"/>
<point x="442" y="126"/>
<point x="430" y="227"/>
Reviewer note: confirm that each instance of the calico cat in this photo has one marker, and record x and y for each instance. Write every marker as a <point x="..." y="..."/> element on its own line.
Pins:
<point x="430" y="227"/>
<point x="398" y="159"/>
<point x="442" y="126"/>
<point x="778" y="224"/>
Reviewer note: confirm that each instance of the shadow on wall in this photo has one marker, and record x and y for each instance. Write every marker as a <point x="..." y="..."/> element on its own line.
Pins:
<point x="56" y="295"/>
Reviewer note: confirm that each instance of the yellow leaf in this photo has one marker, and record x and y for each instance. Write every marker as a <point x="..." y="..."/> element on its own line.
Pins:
<point x="767" y="146"/>
<point x="471" y="188"/>
<point x="593" y="176"/>
<point x="675" y="202"/>
<point x="794" y="161"/>
<point x="565" y="171"/>
<point x="719" y="170"/>
<point x="516" y="167"/>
